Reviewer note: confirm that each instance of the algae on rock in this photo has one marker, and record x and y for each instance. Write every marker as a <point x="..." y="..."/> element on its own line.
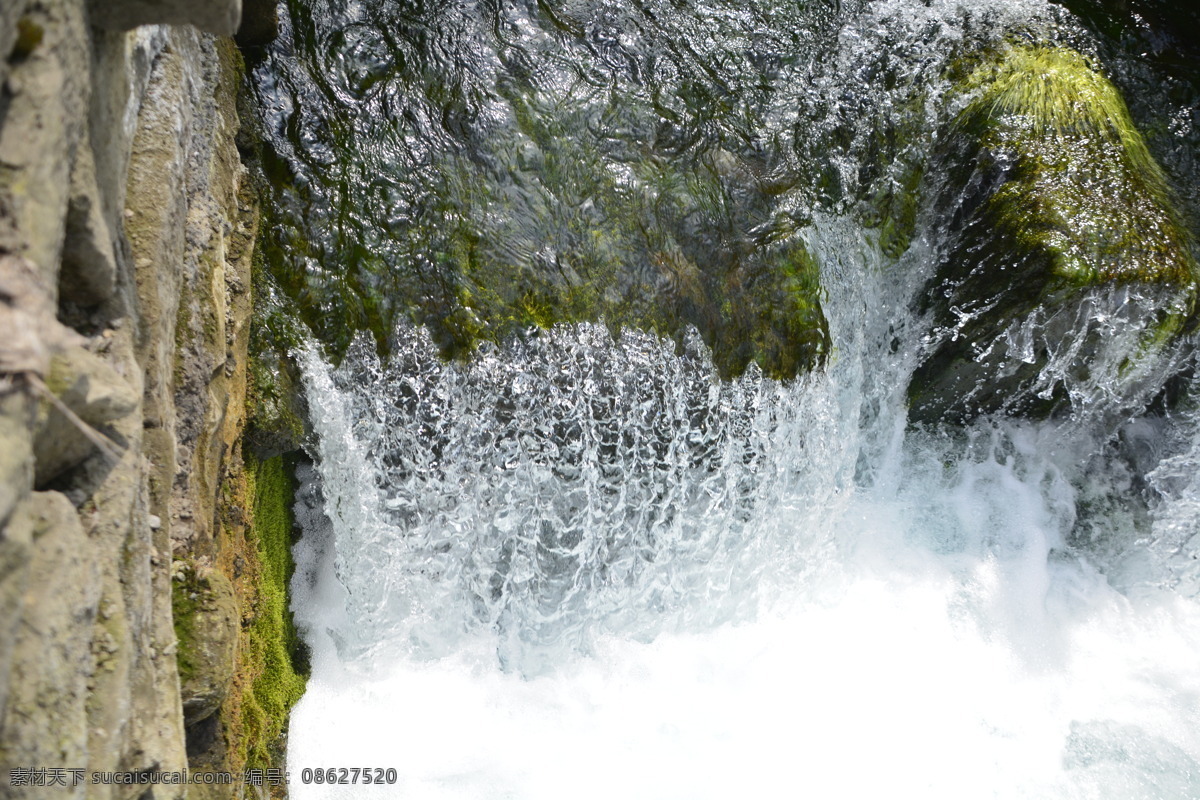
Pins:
<point x="1064" y="271"/>
<point x="472" y="196"/>
<point x="206" y="625"/>
<point x="273" y="659"/>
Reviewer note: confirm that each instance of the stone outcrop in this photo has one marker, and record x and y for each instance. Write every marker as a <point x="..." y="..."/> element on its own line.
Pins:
<point x="206" y="612"/>
<point x="126" y="231"/>
<point x="1065" y="273"/>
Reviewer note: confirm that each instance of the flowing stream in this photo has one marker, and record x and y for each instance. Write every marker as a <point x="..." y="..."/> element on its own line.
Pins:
<point x="581" y="564"/>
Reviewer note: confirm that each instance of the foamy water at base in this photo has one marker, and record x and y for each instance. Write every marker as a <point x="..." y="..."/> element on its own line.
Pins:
<point x="897" y="672"/>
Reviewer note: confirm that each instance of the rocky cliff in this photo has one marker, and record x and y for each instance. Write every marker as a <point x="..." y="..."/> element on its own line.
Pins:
<point x="127" y="225"/>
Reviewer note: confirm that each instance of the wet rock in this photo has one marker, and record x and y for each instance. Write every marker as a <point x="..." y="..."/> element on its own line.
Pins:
<point x="1167" y="29"/>
<point x="260" y="23"/>
<point x="277" y="407"/>
<point x="1064" y="271"/>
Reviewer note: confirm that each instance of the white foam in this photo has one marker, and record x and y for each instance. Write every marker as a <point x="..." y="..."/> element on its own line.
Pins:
<point x="897" y="687"/>
<point x="948" y="647"/>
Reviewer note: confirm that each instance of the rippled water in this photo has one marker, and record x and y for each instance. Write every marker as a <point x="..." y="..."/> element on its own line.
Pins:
<point x="441" y="156"/>
<point x="583" y="563"/>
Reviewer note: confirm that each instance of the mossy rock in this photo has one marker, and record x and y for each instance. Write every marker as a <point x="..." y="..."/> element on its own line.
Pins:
<point x="273" y="662"/>
<point x="275" y="402"/>
<point x="572" y="209"/>
<point x="1061" y="243"/>
<point x="276" y="405"/>
<point x="699" y="250"/>
<point x="206" y="626"/>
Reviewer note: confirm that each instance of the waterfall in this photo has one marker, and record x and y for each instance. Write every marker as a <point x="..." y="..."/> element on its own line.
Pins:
<point x="579" y="556"/>
<point x="582" y="563"/>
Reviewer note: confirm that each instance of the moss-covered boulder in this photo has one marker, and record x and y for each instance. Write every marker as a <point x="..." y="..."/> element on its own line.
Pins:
<point x="1064" y="272"/>
<point x="206" y="626"/>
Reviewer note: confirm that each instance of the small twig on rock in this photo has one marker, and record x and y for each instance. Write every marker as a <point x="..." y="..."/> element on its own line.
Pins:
<point x="106" y="445"/>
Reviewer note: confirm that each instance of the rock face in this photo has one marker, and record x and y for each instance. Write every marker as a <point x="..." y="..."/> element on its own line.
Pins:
<point x="83" y="388"/>
<point x="126" y="230"/>
<point x="206" y="609"/>
<point x="1065" y="273"/>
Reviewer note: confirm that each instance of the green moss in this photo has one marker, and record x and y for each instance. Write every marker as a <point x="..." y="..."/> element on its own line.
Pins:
<point x="187" y="592"/>
<point x="29" y="36"/>
<point x="272" y="653"/>
<point x="60" y="376"/>
<point x="1081" y="187"/>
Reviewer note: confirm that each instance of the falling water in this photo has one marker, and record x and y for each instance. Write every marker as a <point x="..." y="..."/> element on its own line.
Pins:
<point x="589" y="566"/>
<point x="582" y="564"/>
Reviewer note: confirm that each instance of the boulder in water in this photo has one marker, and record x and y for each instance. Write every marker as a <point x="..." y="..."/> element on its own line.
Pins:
<point x="1064" y="272"/>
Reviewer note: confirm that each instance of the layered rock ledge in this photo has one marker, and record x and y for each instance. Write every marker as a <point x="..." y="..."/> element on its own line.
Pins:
<point x="127" y="227"/>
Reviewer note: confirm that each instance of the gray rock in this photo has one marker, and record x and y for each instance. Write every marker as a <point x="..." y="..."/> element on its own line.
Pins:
<point x="15" y="549"/>
<point x="10" y="15"/>
<point x="89" y="265"/>
<point x="215" y="16"/>
<point x="16" y="452"/>
<point x="94" y="391"/>
<point x="28" y="328"/>
<point x="41" y="132"/>
<point x="207" y="625"/>
<point x="129" y="136"/>
<point x="51" y="652"/>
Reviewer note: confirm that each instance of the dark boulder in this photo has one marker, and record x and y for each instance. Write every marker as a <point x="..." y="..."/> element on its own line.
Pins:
<point x="1064" y="273"/>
